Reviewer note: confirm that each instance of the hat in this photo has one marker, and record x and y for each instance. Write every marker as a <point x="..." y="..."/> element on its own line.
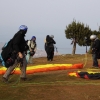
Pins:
<point x="23" y="27"/>
<point x="33" y="37"/>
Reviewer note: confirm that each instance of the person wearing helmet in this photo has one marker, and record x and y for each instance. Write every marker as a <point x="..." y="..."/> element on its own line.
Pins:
<point x="32" y="49"/>
<point x="45" y="44"/>
<point x="19" y="47"/>
<point x="50" y="47"/>
<point x="95" y="50"/>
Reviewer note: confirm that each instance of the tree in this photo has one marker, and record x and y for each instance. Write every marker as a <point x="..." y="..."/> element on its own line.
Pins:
<point x="79" y="34"/>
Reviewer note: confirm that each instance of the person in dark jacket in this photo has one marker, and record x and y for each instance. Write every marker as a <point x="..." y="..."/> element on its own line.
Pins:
<point x="49" y="47"/>
<point x="19" y="47"/>
<point x="95" y="50"/>
<point x="45" y="45"/>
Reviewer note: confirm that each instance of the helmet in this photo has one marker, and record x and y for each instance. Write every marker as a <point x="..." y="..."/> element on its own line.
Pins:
<point x="33" y="37"/>
<point x="92" y="37"/>
<point x="52" y="36"/>
<point x="23" y="27"/>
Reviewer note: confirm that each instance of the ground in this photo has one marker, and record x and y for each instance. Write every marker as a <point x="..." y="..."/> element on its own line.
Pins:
<point x="53" y="85"/>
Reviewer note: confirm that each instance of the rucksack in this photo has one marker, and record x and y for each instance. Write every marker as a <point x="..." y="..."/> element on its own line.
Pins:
<point x="7" y="50"/>
<point x="7" y="57"/>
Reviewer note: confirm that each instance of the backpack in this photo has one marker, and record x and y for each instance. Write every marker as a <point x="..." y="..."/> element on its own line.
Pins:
<point x="7" y="57"/>
<point x="7" y="50"/>
<point x="4" y="45"/>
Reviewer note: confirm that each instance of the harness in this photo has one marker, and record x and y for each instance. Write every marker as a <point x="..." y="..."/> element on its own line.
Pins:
<point x="32" y="45"/>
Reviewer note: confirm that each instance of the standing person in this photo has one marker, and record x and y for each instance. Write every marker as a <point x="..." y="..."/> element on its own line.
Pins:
<point x="45" y="44"/>
<point x="19" y="46"/>
<point x="95" y="50"/>
<point x="32" y="49"/>
<point x="50" y="47"/>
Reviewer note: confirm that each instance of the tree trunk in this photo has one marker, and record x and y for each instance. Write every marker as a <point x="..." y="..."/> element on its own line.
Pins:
<point x="74" y="48"/>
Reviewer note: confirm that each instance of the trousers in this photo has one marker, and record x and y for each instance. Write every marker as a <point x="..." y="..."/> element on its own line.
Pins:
<point x="23" y="67"/>
<point x="29" y="58"/>
<point x="95" y="60"/>
<point x="50" y="53"/>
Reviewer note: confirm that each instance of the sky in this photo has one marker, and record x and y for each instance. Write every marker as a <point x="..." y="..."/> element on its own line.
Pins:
<point x="47" y="17"/>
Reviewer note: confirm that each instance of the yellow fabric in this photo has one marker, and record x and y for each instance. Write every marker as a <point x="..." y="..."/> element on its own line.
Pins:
<point x="42" y="66"/>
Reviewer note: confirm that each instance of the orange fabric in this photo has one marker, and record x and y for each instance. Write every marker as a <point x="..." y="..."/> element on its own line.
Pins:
<point x="48" y="67"/>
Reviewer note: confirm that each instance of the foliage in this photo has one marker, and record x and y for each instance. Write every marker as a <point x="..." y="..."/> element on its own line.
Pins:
<point x="78" y="33"/>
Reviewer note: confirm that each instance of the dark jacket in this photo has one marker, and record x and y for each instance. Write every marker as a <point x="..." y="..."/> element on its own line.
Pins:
<point x="50" y="41"/>
<point x="96" y="46"/>
<point x="15" y="45"/>
<point x="19" y="43"/>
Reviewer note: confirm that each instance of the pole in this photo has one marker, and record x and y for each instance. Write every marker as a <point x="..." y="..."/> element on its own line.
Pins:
<point x="86" y="43"/>
<point x="86" y="48"/>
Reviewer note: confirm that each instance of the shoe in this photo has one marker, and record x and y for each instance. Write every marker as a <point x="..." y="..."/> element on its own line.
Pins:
<point x="95" y="67"/>
<point x="23" y="78"/>
<point x="4" y="80"/>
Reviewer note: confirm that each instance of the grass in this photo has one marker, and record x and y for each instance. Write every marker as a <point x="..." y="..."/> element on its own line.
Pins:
<point x="53" y="85"/>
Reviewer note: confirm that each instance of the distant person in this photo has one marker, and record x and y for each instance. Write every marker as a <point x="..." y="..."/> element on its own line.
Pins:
<point x="50" y="47"/>
<point x="95" y="50"/>
<point x="45" y="44"/>
<point x="14" y="53"/>
<point x="32" y="49"/>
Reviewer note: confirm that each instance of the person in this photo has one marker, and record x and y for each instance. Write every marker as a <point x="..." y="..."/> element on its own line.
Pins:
<point x="19" y="47"/>
<point x="50" y="47"/>
<point x="32" y="49"/>
<point x="95" y="50"/>
<point x="45" y="44"/>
